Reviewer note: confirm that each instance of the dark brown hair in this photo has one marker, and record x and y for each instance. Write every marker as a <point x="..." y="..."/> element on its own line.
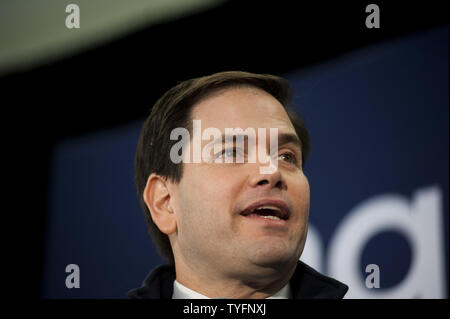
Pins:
<point x="173" y="110"/>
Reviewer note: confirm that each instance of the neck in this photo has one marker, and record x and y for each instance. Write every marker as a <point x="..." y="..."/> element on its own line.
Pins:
<point x="255" y="283"/>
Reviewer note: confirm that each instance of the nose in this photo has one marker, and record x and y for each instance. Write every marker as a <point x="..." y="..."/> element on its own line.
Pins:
<point x="273" y="179"/>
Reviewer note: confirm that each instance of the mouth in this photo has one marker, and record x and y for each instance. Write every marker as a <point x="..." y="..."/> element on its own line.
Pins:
<point x="270" y="209"/>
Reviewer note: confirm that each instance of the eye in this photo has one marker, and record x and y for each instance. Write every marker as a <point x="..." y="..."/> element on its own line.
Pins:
<point x="229" y="152"/>
<point x="289" y="157"/>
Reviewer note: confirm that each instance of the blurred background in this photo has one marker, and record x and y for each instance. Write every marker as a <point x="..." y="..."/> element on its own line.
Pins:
<point x="374" y="100"/>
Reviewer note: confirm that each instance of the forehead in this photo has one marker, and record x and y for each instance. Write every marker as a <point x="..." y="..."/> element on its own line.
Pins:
<point x="242" y="107"/>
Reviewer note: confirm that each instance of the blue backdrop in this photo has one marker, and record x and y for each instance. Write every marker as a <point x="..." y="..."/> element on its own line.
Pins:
<point x="378" y="170"/>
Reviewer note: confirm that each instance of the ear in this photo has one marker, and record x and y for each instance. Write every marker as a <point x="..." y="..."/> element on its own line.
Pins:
<point x="157" y="198"/>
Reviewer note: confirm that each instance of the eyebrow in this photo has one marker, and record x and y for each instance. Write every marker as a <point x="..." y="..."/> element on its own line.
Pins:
<point x="223" y="136"/>
<point x="283" y="138"/>
<point x="286" y="138"/>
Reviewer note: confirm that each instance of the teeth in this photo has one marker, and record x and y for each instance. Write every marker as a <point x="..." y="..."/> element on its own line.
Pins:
<point x="268" y="207"/>
<point x="270" y="217"/>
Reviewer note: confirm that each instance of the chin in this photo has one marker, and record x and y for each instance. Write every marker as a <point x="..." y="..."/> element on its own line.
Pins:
<point x="274" y="254"/>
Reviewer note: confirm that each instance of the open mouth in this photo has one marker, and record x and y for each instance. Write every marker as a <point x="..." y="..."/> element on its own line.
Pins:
<point x="268" y="209"/>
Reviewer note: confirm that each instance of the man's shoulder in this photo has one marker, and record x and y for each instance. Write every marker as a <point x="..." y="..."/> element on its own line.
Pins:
<point x="157" y="285"/>
<point x="305" y="283"/>
<point x="309" y="283"/>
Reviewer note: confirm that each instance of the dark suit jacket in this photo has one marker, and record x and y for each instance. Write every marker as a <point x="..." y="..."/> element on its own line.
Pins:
<point x="305" y="283"/>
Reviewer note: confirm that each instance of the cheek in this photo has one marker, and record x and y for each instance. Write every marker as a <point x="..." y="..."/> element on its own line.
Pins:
<point x="215" y="183"/>
<point x="300" y="197"/>
<point x="206" y="194"/>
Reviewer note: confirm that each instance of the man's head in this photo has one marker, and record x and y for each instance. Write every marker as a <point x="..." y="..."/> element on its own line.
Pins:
<point x="206" y="208"/>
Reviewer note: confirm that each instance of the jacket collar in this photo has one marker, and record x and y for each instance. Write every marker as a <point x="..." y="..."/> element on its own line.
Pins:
<point x="305" y="283"/>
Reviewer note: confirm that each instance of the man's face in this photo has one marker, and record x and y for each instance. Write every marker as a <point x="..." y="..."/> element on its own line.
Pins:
<point x="213" y="229"/>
